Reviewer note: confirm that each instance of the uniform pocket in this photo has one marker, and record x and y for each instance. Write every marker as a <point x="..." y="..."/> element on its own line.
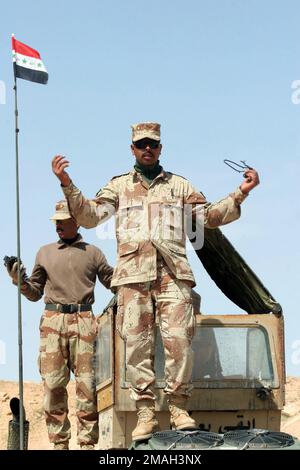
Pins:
<point x="190" y="315"/>
<point x="179" y="249"/>
<point x="42" y="354"/>
<point x="128" y="249"/>
<point x="43" y="343"/>
<point x="185" y="288"/>
<point x="131" y="213"/>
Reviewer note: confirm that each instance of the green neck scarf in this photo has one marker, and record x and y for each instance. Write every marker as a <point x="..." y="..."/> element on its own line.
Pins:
<point x="149" y="173"/>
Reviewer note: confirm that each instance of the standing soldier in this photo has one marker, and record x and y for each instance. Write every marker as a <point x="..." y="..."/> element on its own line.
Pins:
<point x="152" y="272"/>
<point x="67" y="271"/>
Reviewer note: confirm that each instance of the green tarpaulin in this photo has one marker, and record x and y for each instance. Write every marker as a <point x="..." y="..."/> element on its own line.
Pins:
<point x="233" y="275"/>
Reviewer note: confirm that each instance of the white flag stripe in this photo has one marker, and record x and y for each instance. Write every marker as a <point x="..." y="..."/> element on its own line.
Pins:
<point x="29" y="62"/>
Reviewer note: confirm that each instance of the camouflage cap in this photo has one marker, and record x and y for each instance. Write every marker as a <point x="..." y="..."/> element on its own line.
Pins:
<point x="61" y="211"/>
<point x="142" y="130"/>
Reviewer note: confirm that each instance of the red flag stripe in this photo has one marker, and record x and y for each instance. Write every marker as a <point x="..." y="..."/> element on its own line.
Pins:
<point x="23" y="49"/>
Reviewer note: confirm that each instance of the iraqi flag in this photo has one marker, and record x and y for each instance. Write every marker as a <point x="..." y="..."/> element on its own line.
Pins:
<point x="27" y="63"/>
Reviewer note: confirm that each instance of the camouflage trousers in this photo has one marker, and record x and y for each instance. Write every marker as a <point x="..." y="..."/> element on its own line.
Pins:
<point x="169" y="299"/>
<point x="67" y="344"/>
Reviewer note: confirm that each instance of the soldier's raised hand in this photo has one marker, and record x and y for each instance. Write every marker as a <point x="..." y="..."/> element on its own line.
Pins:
<point x="251" y="180"/>
<point x="59" y="165"/>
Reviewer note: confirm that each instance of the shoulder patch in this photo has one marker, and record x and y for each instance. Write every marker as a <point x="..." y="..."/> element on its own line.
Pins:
<point x="124" y="174"/>
<point x="174" y="174"/>
<point x="113" y="178"/>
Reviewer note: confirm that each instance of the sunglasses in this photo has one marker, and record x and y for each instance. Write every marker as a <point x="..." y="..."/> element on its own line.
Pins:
<point x="144" y="143"/>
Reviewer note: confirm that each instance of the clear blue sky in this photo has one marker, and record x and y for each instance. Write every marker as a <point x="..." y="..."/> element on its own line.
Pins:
<point x="216" y="74"/>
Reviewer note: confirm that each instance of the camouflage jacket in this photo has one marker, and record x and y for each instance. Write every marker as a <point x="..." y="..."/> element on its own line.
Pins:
<point x="151" y="218"/>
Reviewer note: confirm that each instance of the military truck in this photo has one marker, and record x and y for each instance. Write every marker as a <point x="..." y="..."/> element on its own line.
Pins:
<point x="239" y="367"/>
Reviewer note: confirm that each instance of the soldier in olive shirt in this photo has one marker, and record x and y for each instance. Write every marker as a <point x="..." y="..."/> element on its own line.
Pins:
<point x="66" y="273"/>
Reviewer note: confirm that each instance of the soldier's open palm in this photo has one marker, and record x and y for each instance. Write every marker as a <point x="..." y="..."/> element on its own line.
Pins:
<point x="59" y="165"/>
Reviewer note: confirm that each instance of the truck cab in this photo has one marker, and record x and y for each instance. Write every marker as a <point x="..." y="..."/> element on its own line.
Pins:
<point x="239" y="363"/>
<point x="238" y="377"/>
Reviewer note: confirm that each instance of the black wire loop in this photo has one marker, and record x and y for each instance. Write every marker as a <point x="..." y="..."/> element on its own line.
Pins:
<point x="235" y="166"/>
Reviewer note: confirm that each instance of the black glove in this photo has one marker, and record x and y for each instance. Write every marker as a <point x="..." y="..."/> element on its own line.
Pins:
<point x="11" y="263"/>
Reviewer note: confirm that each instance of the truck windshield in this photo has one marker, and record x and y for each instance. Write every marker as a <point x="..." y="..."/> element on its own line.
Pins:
<point x="227" y="354"/>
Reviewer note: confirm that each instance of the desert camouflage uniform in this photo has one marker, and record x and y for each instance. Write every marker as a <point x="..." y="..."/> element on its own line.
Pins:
<point x="152" y="267"/>
<point x="67" y="274"/>
<point x="136" y="322"/>
<point x="67" y="344"/>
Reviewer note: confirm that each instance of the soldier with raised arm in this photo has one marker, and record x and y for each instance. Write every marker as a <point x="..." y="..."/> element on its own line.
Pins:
<point x="152" y="274"/>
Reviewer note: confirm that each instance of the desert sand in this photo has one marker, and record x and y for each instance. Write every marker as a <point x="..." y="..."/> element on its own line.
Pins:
<point x="33" y="399"/>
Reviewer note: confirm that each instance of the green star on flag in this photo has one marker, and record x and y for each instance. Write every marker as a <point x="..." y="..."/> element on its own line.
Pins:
<point x="27" y="63"/>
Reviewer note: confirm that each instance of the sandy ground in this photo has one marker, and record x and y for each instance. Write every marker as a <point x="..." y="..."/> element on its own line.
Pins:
<point x="33" y="400"/>
<point x="33" y="397"/>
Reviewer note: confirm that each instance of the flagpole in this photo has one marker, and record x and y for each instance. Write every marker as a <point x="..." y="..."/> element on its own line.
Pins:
<point x="20" y="340"/>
